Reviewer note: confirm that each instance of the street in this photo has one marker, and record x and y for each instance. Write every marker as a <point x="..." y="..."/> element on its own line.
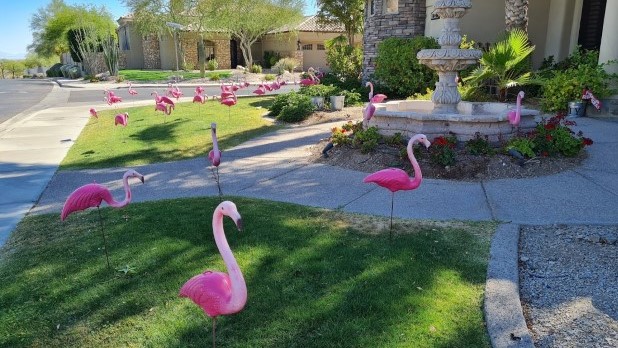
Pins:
<point x="18" y="95"/>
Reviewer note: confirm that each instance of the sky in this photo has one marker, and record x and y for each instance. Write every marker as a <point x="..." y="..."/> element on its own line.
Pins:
<point x="15" y="23"/>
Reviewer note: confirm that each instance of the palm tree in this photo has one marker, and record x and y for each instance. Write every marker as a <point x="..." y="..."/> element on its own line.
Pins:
<point x="506" y="63"/>
<point x="516" y="14"/>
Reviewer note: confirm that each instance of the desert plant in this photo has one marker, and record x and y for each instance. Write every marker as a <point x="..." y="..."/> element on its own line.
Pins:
<point x="110" y="54"/>
<point x="215" y="77"/>
<point x="398" y="71"/>
<point x="212" y="64"/>
<point x="269" y="77"/>
<point x="286" y="64"/>
<point x="506" y="63"/>
<point x="256" y="69"/>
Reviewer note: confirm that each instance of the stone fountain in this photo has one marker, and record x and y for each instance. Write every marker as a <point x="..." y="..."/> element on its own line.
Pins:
<point x="446" y="113"/>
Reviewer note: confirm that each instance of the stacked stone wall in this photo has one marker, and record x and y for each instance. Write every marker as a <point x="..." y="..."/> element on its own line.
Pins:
<point x="408" y="22"/>
<point x="152" y="55"/>
<point x="222" y="53"/>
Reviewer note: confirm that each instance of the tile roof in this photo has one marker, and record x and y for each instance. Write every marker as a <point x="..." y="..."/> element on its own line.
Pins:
<point x="310" y="23"/>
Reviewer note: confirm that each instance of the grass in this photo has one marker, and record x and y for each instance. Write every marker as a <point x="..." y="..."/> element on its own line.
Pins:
<point x="166" y="75"/>
<point x="315" y="278"/>
<point x="148" y="138"/>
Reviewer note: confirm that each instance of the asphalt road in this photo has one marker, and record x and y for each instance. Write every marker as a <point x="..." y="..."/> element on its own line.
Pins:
<point x="143" y="93"/>
<point x="18" y="95"/>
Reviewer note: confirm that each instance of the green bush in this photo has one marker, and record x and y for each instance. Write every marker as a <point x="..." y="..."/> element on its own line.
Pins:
<point x="292" y="107"/>
<point x="269" y="77"/>
<point x="212" y="64"/>
<point x="567" y="85"/>
<point x="286" y="64"/>
<point x="479" y="145"/>
<point x="345" y="61"/>
<point x="270" y="58"/>
<point x="367" y="139"/>
<point x="398" y="71"/>
<point x="54" y="71"/>
<point x="320" y="91"/>
<point x="256" y="69"/>
<point x="525" y="146"/>
<point x="442" y="150"/>
<point x="215" y="77"/>
<point x="351" y="98"/>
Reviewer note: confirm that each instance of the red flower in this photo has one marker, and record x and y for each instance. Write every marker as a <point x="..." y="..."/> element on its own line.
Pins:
<point x="548" y="137"/>
<point x="550" y="126"/>
<point x="587" y="141"/>
<point x="545" y="153"/>
<point x="440" y="141"/>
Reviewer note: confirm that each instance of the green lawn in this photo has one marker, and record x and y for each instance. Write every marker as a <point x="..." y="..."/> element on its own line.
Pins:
<point x="315" y="278"/>
<point x="149" y="138"/>
<point x="164" y="75"/>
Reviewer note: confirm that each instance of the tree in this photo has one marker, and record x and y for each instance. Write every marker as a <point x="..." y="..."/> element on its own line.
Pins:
<point x="516" y="15"/>
<point x="50" y="30"/>
<point x="350" y="13"/>
<point x="15" y="67"/>
<point x="249" y="20"/>
<point x="150" y="16"/>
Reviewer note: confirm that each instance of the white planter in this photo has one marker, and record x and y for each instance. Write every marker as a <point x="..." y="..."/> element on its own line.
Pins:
<point x="337" y="102"/>
<point x="318" y="102"/>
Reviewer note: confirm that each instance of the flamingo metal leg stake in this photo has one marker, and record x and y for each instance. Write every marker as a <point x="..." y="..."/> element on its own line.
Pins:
<point x="104" y="240"/>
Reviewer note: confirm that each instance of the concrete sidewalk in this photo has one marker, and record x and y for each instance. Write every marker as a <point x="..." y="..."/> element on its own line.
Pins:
<point x="277" y="167"/>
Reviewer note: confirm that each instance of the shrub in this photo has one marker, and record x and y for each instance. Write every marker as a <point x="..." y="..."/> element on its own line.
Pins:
<point x="297" y="108"/>
<point x="442" y="150"/>
<point x="320" y="90"/>
<point x="340" y="136"/>
<point x="567" y="85"/>
<point x="280" y="101"/>
<point x="212" y="64"/>
<point x="215" y="77"/>
<point x="270" y="58"/>
<point x="286" y="64"/>
<point x="554" y="135"/>
<point x="366" y="139"/>
<point x="54" y="71"/>
<point x="506" y="63"/>
<point x="120" y="78"/>
<point x="398" y="71"/>
<point x="351" y="98"/>
<point x="345" y="61"/>
<point x="523" y="145"/>
<point x="256" y="69"/>
<point x="479" y="145"/>
<point x="269" y="77"/>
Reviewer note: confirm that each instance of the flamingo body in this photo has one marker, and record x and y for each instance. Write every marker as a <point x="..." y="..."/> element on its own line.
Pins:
<point x="378" y="98"/>
<point x="218" y="293"/>
<point x="91" y="195"/>
<point x="393" y="179"/>
<point x="198" y="98"/>
<point x="121" y="119"/>
<point x="94" y="113"/>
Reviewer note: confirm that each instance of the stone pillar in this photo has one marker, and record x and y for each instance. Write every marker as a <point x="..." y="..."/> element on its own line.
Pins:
<point x="222" y="53"/>
<point x="189" y="47"/>
<point x="407" y="22"/>
<point x="298" y="55"/>
<point x="152" y="52"/>
<point x="122" y="60"/>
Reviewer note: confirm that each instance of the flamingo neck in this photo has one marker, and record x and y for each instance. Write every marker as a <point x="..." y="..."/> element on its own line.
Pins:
<point x="418" y="176"/>
<point x="127" y="193"/>
<point x="370" y="90"/>
<point x="239" y="288"/>
<point x="215" y="143"/>
<point x="518" y="105"/>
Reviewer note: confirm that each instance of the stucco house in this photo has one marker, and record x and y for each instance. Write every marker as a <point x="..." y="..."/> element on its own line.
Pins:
<point x="304" y="41"/>
<point x="555" y="27"/>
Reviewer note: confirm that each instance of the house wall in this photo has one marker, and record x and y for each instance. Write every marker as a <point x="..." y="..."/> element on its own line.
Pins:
<point x="133" y="58"/>
<point x="408" y="21"/>
<point x="484" y="22"/>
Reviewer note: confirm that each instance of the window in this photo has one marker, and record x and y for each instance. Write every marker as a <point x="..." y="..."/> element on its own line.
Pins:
<point x="391" y="6"/>
<point x="125" y="40"/>
<point x="307" y="47"/>
<point x="371" y="7"/>
<point x="321" y="47"/>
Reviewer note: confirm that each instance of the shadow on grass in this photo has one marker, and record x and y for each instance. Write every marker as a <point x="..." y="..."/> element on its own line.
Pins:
<point x="312" y="282"/>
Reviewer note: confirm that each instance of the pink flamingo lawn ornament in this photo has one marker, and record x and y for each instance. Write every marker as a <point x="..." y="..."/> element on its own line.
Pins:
<point x="515" y="116"/>
<point x="395" y="179"/>
<point x="93" y="113"/>
<point x="111" y="98"/>
<point x="260" y="90"/>
<point x="378" y="98"/>
<point x="164" y="99"/>
<point x="131" y="90"/>
<point x="91" y="195"/>
<point x="229" y="101"/>
<point x="368" y="112"/>
<point x="123" y="120"/>
<point x="215" y="156"/>
<point x="165" y="108"/>
<point x="219" y="293"/>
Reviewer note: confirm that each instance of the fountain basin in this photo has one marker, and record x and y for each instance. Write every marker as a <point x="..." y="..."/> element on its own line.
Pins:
<point x="410" y="117"/>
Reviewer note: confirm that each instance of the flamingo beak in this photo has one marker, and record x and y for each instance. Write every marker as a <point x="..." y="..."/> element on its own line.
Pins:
<point x="426" y="143"/>
<point x="239" y="223"/>
<point x="142" y="178"/>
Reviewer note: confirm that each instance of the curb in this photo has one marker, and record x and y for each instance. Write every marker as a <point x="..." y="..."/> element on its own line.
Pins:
<point x="504" y="316"/>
